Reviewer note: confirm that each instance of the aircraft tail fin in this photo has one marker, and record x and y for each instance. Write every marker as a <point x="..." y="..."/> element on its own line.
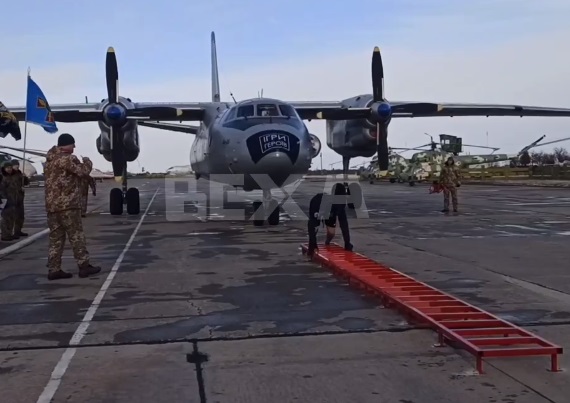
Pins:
<point x="215" y="77"/>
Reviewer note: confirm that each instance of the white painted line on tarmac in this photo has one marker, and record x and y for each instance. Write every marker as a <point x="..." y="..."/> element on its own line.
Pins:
<point x="19" y="245"/>
<point x="61" y="367"/>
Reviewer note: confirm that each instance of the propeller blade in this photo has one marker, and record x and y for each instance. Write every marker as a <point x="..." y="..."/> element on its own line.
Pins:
<point x="377" y="76"/>
<point x="112" y="76"/>
<point x="382" y="147"/>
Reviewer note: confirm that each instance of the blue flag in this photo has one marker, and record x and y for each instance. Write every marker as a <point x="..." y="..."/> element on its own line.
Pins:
<point x="37" y="108"/>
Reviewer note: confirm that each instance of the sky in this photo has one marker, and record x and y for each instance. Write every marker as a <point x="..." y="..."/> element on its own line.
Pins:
<point x="486" y="51"/>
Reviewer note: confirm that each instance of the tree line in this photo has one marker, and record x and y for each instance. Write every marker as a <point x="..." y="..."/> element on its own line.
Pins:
<point x="541" y="158"/>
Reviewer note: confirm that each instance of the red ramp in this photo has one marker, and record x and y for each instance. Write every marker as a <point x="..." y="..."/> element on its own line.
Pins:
<point x="482" y="334"/>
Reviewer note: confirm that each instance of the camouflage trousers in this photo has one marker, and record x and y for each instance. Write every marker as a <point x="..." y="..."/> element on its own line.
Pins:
<point x="446" y="191"/>
<point x="64" y="223"/>
<point x="8" y="220"/>
<point x="19" y="217"/>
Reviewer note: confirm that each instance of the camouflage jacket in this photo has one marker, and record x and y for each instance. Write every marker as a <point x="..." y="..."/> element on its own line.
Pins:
<point x="64" y="174"/>
<point x="449" y="176"/>
<point x="10" y="188"/>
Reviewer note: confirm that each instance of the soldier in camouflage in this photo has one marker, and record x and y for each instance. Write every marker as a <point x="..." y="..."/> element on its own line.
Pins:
<point x="9" y="191"/>
<point x="87" y="183"/>
<point x="21" y="180"/>
<point x="449" y="180"/>
<point x="63" y="176"/>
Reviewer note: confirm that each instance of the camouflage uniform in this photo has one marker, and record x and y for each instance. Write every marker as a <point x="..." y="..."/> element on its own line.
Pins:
<point x="9" y="191"/>
<point x="85" y="185"/>
<point x="21" y="180"/>
<point x="449" y="180"/>
<point x="63" y="176"/>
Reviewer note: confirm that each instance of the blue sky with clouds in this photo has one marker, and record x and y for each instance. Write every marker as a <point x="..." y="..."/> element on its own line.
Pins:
<point x="157" y="37"/>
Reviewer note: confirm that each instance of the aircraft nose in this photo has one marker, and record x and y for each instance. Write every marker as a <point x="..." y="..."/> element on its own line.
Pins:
<point x="274" y="147"/>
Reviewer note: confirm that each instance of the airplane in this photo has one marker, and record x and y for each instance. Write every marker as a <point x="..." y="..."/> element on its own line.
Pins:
<point x="265" y="136"/>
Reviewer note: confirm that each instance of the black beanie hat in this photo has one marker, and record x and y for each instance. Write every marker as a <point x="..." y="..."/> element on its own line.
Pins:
<point x="15" y="162"/>
<point x="65" y="139"/>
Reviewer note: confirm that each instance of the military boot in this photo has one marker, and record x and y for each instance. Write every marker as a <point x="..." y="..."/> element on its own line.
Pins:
<point x="59" y="275"/>
<point x="88" y="270"/>
<point x="20" y="234"/>
<point x="7" y="238"/>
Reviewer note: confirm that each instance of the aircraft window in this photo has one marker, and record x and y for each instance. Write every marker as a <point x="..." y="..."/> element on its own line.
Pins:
<point x="230" y="115"/>
<point x="245" y="111"/>
<point x="287" y="110"/>
<point x="267" y="110"/>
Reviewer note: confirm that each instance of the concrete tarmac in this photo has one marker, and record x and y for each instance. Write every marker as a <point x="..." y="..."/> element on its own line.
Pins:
<point x="193" y="307"/>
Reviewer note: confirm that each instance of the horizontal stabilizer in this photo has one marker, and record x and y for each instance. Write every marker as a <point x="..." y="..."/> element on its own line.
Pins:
<point x="174" y="127"/>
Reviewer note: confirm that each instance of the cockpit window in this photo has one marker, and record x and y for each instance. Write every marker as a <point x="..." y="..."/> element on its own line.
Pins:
<point x="287" y="110"/>
<point x="245" y="111"/>
<point x="267" y="110"/>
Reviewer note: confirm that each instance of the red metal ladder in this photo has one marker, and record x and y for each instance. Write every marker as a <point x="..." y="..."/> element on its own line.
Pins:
<point x="476" y="331"/>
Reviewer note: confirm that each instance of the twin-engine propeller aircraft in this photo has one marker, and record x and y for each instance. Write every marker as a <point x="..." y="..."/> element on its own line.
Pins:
<point x="256" y="136"/>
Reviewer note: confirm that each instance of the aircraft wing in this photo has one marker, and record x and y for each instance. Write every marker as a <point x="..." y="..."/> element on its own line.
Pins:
<point x="89" y="112"/>
<point x="174" y="127"/>
<point x="410" y="109"/>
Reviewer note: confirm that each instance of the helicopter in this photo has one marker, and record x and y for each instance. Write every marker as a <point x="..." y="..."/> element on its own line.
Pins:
<point x="27" y="166"/>
<point x="426" y="165"/>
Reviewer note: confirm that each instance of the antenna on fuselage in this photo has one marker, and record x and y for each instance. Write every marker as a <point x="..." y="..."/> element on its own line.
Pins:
<point x="86" y="100"/>
<point x="232" y="95"/>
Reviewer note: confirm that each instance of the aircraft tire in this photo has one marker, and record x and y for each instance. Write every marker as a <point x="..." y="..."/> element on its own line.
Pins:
<point x="392" y="180"/>
<point x="258" y="214"/>
<point x="412" y="183"/>
<point x="133" y="201"/>
<point x="116" y="201"/>
<point x="273" y="218"/>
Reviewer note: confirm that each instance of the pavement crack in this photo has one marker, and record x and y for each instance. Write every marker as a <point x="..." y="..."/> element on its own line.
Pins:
<point x="521" y="383"/>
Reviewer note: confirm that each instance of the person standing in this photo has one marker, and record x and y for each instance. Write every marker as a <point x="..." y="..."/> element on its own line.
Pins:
<point x="87" y="183"/>
<point x="63" y="176"/>
<point x="21" y="180"/>
<point x="449" y="180"/>
<point x="9" y="191"/>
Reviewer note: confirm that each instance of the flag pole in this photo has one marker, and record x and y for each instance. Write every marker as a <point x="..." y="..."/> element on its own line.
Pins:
<point x="26" y="124"/>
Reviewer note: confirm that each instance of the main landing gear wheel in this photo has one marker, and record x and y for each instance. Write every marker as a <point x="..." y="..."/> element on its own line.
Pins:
<point x="116" y="201"/>
<point x="273" y="218"/>
<point x="392" y="180"/>
<point x="133" y="201"/>
<point x="258" y="214"/>
<point x="355" y="192"/>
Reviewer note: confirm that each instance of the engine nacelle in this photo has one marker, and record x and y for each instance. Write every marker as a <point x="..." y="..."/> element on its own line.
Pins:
<point x="129" y="132"/>
<point x="316" y="146"/>
<point x="356" y="137"/>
